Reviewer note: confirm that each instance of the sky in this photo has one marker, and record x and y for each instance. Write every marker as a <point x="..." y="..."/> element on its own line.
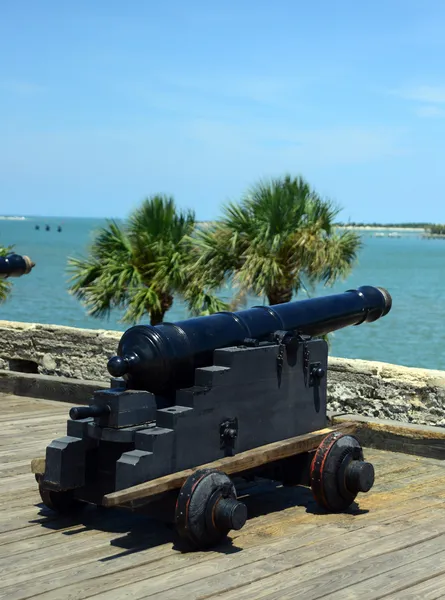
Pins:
<point x="105" y="103"/>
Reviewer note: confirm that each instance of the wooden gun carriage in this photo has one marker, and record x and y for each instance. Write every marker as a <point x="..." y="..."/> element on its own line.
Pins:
<point x="190" y="403"/>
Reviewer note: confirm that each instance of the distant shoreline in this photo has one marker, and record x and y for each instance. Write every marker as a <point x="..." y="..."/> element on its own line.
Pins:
<point x="381" y="228"/>
<point x="420" y="228"/>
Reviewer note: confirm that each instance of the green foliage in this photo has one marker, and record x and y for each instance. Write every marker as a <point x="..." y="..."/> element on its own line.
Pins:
<point x="5" y="285"/>
<point x="140" y="266"/>
<point x="279" y="237"/>
<point x="437" y="229"/>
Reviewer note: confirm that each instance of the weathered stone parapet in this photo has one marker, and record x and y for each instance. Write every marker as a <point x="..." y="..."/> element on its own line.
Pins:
<point x="385" y="391"/>
<point x="370" y="389"/>
<point x="56" y="350"/>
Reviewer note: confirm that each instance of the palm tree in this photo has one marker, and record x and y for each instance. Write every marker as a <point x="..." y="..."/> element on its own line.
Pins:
<point x="278" y="239"/>
<point x="5" y="286"/>
<point x="141" y="265"/>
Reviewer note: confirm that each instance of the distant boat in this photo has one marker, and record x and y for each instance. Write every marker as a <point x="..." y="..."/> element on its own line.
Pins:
<point x="394" y="234"/>
<point x="59" y="228"/>
<point x="379" y="235"/>
<point x="47" y="227"/>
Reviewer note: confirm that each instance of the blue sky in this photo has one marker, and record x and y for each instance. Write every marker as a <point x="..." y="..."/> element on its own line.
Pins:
<point x="103" y="103"/>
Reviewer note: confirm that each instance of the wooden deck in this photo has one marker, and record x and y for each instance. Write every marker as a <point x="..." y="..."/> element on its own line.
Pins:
<point x="392" y="546"/>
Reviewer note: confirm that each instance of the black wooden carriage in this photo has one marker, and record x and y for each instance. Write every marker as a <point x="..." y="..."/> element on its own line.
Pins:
<point x="190" y="403"/>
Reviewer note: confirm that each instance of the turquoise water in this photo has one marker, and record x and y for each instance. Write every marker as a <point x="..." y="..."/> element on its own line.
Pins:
<point x="411" y="268"/>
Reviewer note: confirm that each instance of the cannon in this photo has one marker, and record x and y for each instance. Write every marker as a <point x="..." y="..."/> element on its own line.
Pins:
<point x="192" y="402"/>
<point x="14" y="265"/>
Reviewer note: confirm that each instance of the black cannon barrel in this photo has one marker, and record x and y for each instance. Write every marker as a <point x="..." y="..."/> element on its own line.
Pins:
<point x="86" y="412"/>
<point x="14" y="265"/>
<point x="163" y="357"/>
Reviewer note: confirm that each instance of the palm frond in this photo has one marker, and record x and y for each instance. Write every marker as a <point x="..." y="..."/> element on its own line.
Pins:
<point x="102" y="281"/>
<point x="201" y="302"/>
<point x="158" y="219"/>
<point x="335" y="258"/>
<point x="279" y="234"/>
<point x="4" y="250"/>
<point x="137" y="266"/>
<point x="142" y="301"/>
<point x="5" y="290"/>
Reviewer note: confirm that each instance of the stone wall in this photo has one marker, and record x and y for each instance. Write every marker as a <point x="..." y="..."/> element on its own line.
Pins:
<point x="366" y="388"/>
<point x="55" y="350"/>
<point x="385" y="391"/>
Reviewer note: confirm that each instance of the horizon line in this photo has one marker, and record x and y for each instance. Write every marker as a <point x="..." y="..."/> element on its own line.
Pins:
<point x="13" y="217"/>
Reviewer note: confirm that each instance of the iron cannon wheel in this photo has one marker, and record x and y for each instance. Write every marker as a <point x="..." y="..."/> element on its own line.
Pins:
<point x="339" y="472"/>
<point x="207" y="509"/>
<point x="63" y="503"/>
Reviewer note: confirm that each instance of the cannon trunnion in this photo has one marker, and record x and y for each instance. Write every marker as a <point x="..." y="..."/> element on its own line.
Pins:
<point x="187" y="394"/>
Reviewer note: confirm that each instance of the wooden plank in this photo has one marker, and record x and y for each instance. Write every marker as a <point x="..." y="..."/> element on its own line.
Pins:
<point x="411" y="430"/>
<point x="394" y="580"/>
<point x="395" y="436"/>
<point x="234" y="464"/>
<point x="329" y="576"/>
<point x="38" y="465"/>
<point x="252" y="458"/>
<point x="431" y="589"/>
<point x="49" y="387"/>
<point x="14" y="468"/>
<point x="286" y="545"/>
<point x="164" y="564"/>
<point x="293" y="571"/>
<point x="97" y="581"/>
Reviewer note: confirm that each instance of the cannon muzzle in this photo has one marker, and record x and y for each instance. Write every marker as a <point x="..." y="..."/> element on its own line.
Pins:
<point x="163" y="358"/>
<point x="14" y="265"/>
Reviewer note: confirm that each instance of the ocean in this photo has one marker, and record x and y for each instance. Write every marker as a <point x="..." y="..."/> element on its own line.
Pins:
<point x="411" y="268"/>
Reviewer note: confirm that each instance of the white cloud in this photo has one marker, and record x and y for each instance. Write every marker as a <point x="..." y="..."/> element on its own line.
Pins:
<point x="428" y="100"/>
<point x="434" y="94"/>
<point x="261" y="89"/>
<point x="430" y="112"/>
<point x="329" y="146"/>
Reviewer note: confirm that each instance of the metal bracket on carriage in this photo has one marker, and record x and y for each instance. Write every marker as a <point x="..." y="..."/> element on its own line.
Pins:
<point x="228" y="432"/>
<point x="290" y="341"/>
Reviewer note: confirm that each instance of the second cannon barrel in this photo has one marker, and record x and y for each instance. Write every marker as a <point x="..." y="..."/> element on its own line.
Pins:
<point x="163" y="358"/>
<point x="15" y="265"/>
